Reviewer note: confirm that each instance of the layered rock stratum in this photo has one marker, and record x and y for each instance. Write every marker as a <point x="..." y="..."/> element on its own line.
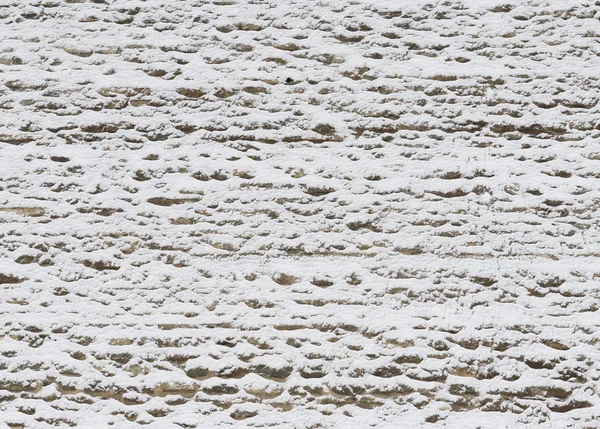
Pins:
<point x="299" y="214"/>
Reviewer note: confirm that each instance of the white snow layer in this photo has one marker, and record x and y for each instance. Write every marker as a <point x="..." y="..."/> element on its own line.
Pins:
<point x="299" y="214"/>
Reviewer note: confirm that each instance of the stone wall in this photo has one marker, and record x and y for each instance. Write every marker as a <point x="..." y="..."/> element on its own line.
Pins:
<point x="296" y="213"/>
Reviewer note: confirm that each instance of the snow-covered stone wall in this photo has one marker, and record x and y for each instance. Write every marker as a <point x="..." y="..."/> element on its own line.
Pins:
<point x="299" y="214"/>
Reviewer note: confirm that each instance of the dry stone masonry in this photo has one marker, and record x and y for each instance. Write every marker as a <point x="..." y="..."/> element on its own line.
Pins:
<point x="299" y="214"/>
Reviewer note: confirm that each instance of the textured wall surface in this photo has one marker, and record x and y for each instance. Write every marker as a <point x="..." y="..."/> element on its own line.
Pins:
<point x="299" y="214"/>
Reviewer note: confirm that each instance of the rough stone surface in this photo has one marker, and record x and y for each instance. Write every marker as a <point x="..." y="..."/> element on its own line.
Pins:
<point x="297" y="213"/>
